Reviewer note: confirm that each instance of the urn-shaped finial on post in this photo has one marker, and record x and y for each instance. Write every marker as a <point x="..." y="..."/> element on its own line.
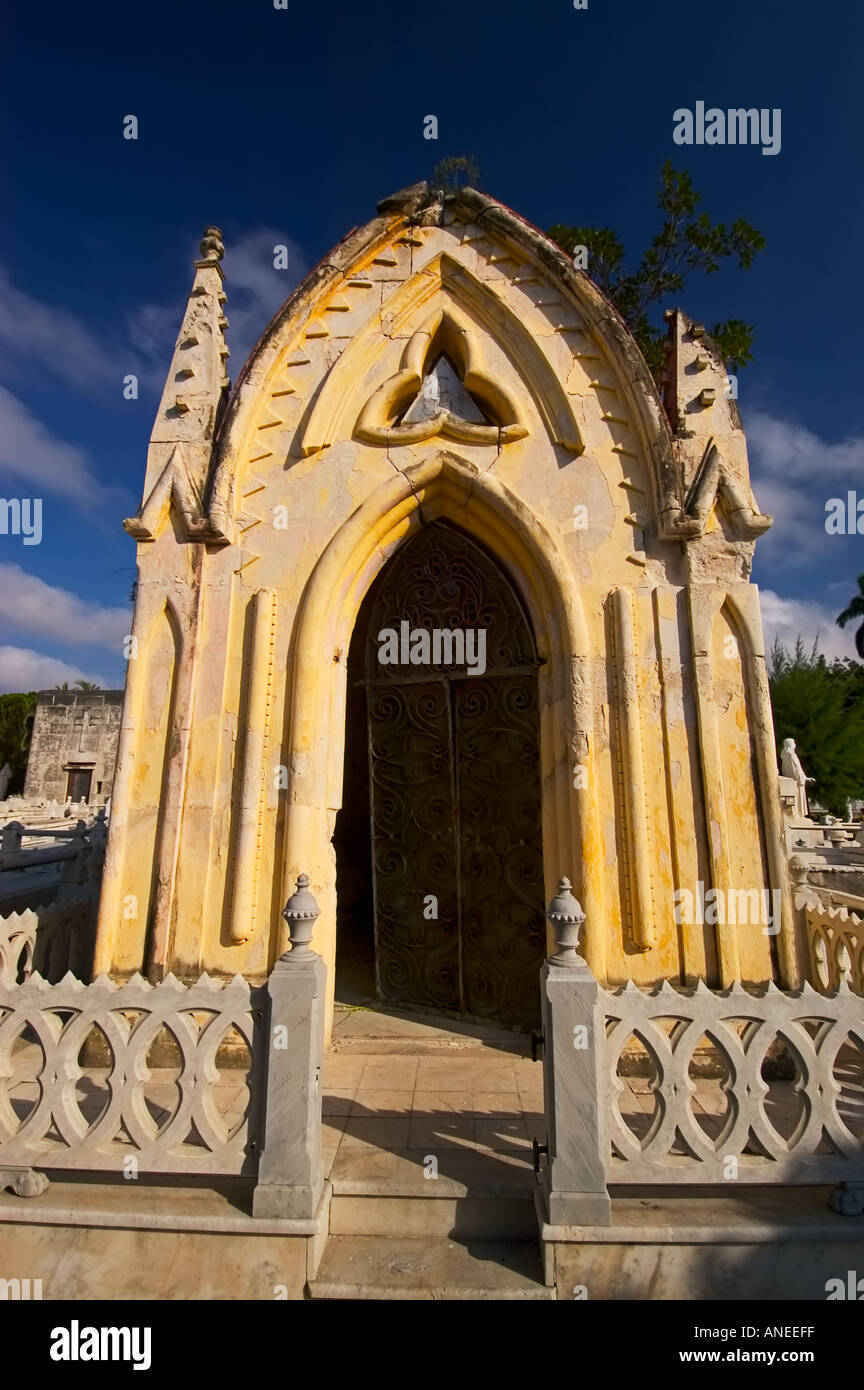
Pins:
<point x="567" y="918"/>
<point x="300" y="912"/>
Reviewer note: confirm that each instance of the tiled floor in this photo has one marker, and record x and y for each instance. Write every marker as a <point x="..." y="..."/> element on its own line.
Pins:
<point x="486" y="1102"/>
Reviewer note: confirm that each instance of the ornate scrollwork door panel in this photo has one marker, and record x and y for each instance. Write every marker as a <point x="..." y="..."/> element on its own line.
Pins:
<point x="500" y="848"/>
<point x="414" y="844"/>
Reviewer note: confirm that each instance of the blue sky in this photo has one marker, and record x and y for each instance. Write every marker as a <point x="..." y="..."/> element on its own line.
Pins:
<point x="288" y="125"/>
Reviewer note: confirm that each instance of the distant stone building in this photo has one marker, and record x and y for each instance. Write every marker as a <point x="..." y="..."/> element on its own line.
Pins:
<point x="74" y="745"/>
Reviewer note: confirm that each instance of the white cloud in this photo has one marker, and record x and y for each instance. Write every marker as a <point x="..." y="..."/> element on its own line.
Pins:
<point x="255" y="289"/>
<point x="794" y="474"/>
<point x="22" y="669"/>
<point x="788" y="618"/>
<point x="28" y="450"/>
<point x="784" y="449"/>
<point x="37" y="335"/>
<point x="51" y="339"/>
<point x="46" y="611"/>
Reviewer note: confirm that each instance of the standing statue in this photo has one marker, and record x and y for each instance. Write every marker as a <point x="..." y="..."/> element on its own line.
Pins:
<point x="5" y="779"/>
<point x="790" y="766"/>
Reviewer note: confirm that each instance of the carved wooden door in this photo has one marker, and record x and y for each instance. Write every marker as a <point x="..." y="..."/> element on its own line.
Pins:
<point x="455" y="789"/>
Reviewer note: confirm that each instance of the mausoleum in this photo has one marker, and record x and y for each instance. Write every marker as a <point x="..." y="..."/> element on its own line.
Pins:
<point x="445" y="430"/>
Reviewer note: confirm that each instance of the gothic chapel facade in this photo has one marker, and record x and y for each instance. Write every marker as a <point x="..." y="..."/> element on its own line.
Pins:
<point x="445" y="428"/>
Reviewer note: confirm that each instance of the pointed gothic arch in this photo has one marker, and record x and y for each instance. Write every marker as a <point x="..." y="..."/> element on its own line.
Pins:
<point x="443" y="486"/>
<point x="576" y="306"/>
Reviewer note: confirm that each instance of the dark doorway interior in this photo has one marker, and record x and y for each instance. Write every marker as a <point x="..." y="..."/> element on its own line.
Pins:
<point x="438" y="843"/>
<point x="78" y="783"/>
<point x="355" y="915"/>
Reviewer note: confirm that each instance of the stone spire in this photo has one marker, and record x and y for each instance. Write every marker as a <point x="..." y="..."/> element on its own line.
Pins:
<point x="182" y="439"/>
<point x="700" y="400"/>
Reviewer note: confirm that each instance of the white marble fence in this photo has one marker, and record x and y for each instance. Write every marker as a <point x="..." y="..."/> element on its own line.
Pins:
<point x="51" y="940"/>
<point x="59" y="936"/>
<point x="835" y="941"/>
<point x="806" y="1129"/>
<point x="85" y="1082"/>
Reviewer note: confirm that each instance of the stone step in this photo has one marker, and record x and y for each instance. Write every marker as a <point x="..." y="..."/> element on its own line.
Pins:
<point x="424" y="1047"/>
<point x="372" y="1032"/>
<point x="377" y="1267"/>
<point x="480" y="1196"/>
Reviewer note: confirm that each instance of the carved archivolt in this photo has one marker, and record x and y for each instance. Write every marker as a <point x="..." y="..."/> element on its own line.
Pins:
<point x="382" y="419"/>
<point x="464" y="318"/>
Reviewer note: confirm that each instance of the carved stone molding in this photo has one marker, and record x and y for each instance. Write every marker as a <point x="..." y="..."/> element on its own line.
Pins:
<point x="442" y="334"/>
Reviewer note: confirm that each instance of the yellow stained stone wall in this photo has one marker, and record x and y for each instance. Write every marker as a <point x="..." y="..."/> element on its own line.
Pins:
<point x="627" y="529"/>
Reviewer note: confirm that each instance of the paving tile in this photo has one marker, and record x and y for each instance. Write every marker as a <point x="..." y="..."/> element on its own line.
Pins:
<point x="537" y="1127"/>
<point x="371" y="1103"/>
<point x="390" y="1075"/>
<point x="337" y="1100"/>
<point x="493" y="1078"/>
<point x="342" y="1071"/>
<point x="331" y="1139"/>
<point x="501" y="1134"/>
<point x="638" y="1084"/>
<point x="453" y="1075"/>
<point x="712" y="1099"/>
<point x="500" y="1103"/>
<point x="636" y="1102"/>
<point x="380" y="1132"/>
<point x="530" y="1085"/>
<point x="431" y="1135"/>
<point x="434" y="1103"/>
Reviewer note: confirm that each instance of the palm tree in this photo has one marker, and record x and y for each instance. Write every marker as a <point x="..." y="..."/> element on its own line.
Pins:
<point x="88" y="685"/>
<point x="64" y="686"/>
<point x="855" y="609"/>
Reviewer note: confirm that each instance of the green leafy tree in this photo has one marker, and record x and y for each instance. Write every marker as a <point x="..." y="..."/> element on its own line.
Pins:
<point x="854" y="611"/>
<point x="688" y="241"/>
<point x="821" y="705"/>
<point x="16" y="726"/>
<point x="455" y="172"/>
<point x="87" y="685"/>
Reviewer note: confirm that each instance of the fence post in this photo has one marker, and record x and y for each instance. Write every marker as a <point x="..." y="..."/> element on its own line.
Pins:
<point x="575" y="1190"/>
<point x="290" y="1173"/>
<point x="10" y="840"/>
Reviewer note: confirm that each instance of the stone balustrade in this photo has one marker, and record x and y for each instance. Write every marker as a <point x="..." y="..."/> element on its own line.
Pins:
<point x="59" y="936"/>
<point x="162" y="1112"/>
<point x="835" y="942"/>
<point x="51" y="940"/>
<point x="208" y="1078"/>
<point x="754" y="1137"/>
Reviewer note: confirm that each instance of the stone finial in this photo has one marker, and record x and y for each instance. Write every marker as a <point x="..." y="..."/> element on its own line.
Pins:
<point x="567" y="918"/>
<point x="301" y="912"/>
<point x="212" y="248"/>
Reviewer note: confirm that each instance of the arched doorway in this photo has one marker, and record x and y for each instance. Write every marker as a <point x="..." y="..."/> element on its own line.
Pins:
<point x="438" y="843"/>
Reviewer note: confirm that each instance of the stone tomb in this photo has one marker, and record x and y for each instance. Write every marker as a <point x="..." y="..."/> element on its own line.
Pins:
<point x="448" y="424"/>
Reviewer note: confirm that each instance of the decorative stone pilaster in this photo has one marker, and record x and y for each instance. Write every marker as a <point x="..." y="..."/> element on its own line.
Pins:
<point x="574" y="1184"/>
<point x="291" y="1174"/>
